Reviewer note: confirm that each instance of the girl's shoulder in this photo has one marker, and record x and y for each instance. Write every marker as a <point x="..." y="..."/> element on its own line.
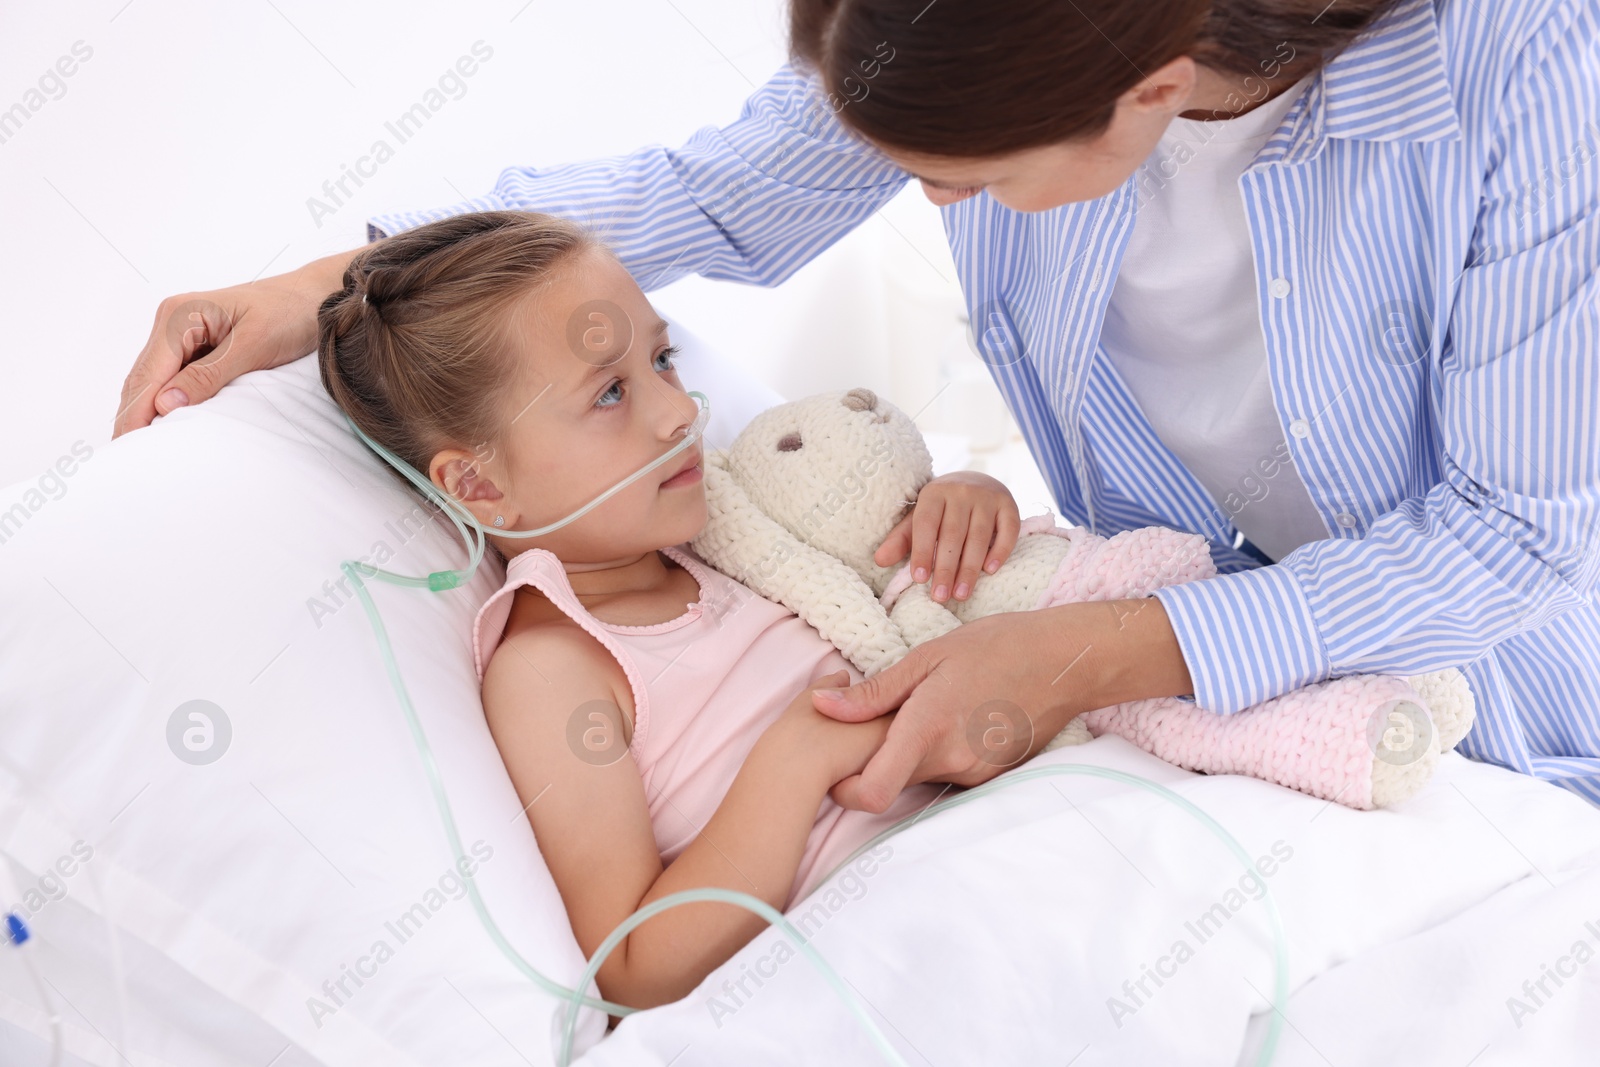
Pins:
<point x="546" y="661"/>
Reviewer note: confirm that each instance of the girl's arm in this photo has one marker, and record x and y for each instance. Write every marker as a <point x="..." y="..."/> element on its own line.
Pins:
<point x="753" y="844"/>
<point x="586" y="803"/>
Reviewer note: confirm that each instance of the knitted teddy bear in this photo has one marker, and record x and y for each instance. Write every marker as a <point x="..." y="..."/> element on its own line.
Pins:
<point x="802" y="499"/>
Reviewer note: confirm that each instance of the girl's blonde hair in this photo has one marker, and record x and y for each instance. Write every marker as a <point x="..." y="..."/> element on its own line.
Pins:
<point x="416" y="347"/>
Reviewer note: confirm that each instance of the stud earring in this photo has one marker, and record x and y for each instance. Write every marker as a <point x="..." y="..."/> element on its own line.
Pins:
<point x="499" y="520"/>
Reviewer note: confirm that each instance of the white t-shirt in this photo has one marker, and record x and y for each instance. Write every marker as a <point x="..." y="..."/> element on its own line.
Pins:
<point x="1183" y="327"/>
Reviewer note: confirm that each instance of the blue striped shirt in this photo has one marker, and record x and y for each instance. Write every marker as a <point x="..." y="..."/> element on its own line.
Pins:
<point x="1426" y="231"/>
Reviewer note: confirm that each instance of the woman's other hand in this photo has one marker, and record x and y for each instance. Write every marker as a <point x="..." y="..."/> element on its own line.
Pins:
<point x="202" y="341"/>
<point x="993" y="692"/>
<point x="837" y="749"/>
<point x="963" y="524"/>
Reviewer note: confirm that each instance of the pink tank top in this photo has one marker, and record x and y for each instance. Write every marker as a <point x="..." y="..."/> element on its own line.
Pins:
<point x="705" y="685"/>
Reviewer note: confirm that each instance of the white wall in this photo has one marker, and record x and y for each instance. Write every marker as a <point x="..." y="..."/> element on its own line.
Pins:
<point x="181" y="154"/>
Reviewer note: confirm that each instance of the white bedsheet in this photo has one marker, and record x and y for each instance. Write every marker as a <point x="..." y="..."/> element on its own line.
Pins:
<point x="1004" y="931"/>
<point x="995" y="933"/>
<point x="1465" y="978"/>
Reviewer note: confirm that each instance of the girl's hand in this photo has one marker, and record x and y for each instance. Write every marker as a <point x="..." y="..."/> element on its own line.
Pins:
<point x="963" y="523"/>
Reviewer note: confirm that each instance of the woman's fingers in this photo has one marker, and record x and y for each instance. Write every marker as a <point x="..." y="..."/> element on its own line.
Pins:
<point x="180" y="364"/>
<point x="885" y="775"/>
<point x="971" y="704"/>
<point x="839" y="679"/>
<point x="206" y="334"/>
<point x="871" y="697"/>
<point x="202" y="341"/>
<point x="918" y="742"/>
<point x="155" y="366"/>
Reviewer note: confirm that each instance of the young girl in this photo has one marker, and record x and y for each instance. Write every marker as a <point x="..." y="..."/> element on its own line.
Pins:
<point x="655" y="716"/>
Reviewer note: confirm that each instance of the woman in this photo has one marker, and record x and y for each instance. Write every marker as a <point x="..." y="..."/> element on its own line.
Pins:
<point x="1318" y="280"/>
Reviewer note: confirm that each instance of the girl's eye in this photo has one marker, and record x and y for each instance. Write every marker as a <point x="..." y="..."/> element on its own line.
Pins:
<point x="613" y="394"/>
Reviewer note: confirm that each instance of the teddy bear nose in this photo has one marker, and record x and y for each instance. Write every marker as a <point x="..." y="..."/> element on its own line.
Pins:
<point x="860" y="400"/>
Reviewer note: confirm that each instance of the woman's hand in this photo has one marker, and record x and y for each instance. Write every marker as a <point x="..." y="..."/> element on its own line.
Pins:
<point x="990" y="694"/>
<point x="963" y="523"/>
<point x="202" y="341"/>
<point x="837" y="749"/>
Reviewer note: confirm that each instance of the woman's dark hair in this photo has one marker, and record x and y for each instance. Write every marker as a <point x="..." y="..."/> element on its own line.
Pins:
<point x="978" y="78"/>
<point x="415" y="347"/>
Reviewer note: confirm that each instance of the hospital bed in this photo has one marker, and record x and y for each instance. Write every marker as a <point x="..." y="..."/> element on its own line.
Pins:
<point x="219" y="832"/>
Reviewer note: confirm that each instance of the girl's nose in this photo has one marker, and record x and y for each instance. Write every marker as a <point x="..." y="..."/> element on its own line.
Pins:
<point x="681" y="413"/>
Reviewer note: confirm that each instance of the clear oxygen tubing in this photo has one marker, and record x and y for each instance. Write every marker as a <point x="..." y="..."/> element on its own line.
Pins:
<point x="575" y="997"/>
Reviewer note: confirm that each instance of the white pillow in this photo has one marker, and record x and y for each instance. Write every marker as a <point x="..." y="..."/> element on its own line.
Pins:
<point x="198" y="560"/>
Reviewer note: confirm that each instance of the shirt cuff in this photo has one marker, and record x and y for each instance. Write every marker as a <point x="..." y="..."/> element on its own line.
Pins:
<point x="388" y="225"/>
<point x="1246" y="636"/>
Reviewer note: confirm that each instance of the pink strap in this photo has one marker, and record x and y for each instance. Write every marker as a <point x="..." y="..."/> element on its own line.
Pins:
<point x="540" y="568"/>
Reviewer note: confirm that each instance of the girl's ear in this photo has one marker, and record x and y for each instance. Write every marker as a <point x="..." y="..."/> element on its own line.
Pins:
<point x="465" y="479"/>
<point x="741" y="541"/>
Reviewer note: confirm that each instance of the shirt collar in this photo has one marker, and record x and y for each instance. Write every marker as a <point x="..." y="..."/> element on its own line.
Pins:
<point x="1390" y="84"/>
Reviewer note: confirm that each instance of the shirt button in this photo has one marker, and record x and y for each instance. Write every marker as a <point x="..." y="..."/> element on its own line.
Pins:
<point x="1279" y="287"/>
<point x="1300" y="428"/>
<point x="1345" y="519"/>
